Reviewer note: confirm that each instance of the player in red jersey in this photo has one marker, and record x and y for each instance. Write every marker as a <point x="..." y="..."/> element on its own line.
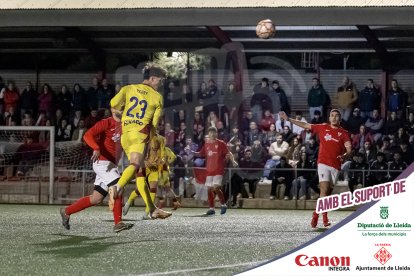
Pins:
<point x="104" y="139"/>
<point x="335" y="146"/>
<point x="216" y="153"/>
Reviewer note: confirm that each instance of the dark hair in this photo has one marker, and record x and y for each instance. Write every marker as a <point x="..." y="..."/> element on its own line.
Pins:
<point x="153" y="71"/>
<point x="370" y="80"/>
<point x="275" y="82"/>
<point x="266" y="80"/>
<point x="317" y="112"/>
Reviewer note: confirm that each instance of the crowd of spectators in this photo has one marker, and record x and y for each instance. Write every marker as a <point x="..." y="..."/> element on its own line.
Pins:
<point x="261" y="142"/>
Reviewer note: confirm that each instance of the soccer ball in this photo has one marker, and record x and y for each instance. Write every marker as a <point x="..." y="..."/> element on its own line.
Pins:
<point x="265" y="29"/>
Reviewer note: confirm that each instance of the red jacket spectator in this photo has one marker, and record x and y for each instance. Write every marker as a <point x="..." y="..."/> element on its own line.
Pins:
<point x="45" y="100"/>
<point x="267" y="120"/>
<point x="11" y="97"/>
<point x="359" y="139"/>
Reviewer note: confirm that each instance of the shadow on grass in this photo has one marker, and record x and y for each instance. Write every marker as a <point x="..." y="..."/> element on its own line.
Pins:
<point x="320" y="229"/>
<point x="111" y="220"/>
<point x="73" y="246"/>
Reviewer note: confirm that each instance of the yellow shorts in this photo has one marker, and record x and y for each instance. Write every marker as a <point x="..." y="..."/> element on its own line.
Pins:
<point x="152" y="175"/>
<point x="134" y="141"/>
<point x="165" y="179"/>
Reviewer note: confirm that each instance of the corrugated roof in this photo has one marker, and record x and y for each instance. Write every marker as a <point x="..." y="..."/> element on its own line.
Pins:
<point x="183" y="4"/>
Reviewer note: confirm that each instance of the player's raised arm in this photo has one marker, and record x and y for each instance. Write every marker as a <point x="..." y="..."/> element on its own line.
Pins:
<point x="201" y="153"/>
<point x="90" y="135"/>
<point x="157" y="114"/>
<point x="301" y="124"/>
<point x="118" y="101"/>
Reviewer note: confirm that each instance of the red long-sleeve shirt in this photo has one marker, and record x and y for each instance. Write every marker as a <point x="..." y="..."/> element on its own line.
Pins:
<point x="105" y="136"/>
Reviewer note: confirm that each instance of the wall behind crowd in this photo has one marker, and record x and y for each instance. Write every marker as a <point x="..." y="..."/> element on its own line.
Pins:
<point x="296" y="83"/>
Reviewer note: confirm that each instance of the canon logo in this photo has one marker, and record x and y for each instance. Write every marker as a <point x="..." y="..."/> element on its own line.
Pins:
<point x="304" y="260"/>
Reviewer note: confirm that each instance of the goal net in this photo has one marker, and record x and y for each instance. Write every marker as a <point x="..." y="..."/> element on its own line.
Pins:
<point x="34" y="168"/>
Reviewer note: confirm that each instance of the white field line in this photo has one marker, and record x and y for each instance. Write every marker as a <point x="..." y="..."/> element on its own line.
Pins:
<point x="199" y="269"/>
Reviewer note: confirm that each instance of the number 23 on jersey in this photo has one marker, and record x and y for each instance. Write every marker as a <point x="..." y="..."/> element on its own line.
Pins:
<point x="140" y="106"/>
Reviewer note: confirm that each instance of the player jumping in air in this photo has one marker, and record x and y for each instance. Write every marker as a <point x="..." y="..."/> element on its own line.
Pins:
<point x="335" y="146"/>
<point x="216" y="153"/>
<point x="142" y="106"/>
<point x="104" y="139"/>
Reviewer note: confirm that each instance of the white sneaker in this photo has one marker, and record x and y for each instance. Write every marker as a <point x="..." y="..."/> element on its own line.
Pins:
<point x="302" y="198"/>
<point x="267" y="181"/>
<point x="126" y="208"/>
<point x="293" y="198"/>
<point x="271" y="197"/>
<point x="286" y="198"/>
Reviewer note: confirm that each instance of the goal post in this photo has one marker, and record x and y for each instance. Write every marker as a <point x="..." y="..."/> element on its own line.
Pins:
<point x="12" y="139"/>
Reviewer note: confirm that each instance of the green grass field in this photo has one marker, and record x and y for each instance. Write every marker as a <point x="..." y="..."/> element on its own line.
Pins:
<point x="34" y="242"/>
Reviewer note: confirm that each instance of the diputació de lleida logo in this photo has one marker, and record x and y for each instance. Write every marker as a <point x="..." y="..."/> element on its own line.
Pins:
<point x="384" y="212"/>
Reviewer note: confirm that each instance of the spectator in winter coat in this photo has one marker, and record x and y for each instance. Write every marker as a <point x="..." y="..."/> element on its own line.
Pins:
<point x="281" y="177"/>
<point x="393" y="124"/>
<point x="354" y="121"/>
<point x="253" y="135"/>
<point x="91" y="95"/>
<point x="346" y="96"/>
<point x="10" y="96"/>
<point x="104" y="94"/>
<point x="45" y="100"/>
<point x="374" y="125"/>
<point x="369" y="99"/>
<point x="79" y="99"/>
<point x="397" y="100"/>
<point x="359" y="139"/>
<point x="316" y="98"/>
<point x="28" y="100"/>
<point x="279" y="99"/>
<point x="260" y="100"/>
<point x="267" y="120"/>
<point x="63" y="101"/>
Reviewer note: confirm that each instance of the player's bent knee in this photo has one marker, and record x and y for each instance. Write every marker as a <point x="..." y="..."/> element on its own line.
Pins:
<point x="96" y="198"/>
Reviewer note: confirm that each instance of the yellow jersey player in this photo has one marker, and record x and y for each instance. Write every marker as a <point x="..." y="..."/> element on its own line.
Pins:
<point x="157" y="173"/>
<point x="142" y="106"/>
<point x="164" y="185"/>
<point x="153" y="167"/>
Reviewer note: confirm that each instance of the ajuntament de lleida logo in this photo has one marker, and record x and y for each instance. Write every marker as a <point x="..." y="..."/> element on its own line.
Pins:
<point x="384" y="212"/>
